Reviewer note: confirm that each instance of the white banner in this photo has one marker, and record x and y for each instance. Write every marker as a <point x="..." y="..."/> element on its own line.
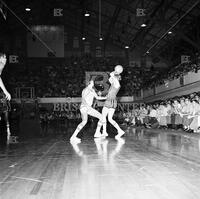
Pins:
<point x="77" y="100"/>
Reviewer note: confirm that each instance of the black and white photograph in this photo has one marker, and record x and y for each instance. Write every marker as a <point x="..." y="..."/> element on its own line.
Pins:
<point x="99" y="99"/>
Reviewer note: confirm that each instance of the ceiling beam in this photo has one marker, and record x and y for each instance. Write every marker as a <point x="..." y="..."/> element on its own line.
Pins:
<point x="143" y="32"/>
<point x="90" y="32"/>
<point x="164" y="24"/>
<point x="148" y="21"/>
<point x="179" y="10"/>
<point x="82" y="2"/>
<point x="122" y="23"/>
<point x="187" y="39"/>
<point x="112" y="23"/>
<point x="124" y="5"/>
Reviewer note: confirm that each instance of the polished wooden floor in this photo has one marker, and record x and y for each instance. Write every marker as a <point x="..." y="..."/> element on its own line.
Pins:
<point x="144" y="164"/>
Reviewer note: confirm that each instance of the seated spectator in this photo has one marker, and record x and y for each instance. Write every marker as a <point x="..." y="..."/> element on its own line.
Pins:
<point x="176" y="115"/>
<point x="152" y="117"/>
<point x="170" y="110"/>
<point x="163" y="112"/>
<point x="195" y="116"/>
<point x="142" y="113"/>
<point x="185" y="112"/>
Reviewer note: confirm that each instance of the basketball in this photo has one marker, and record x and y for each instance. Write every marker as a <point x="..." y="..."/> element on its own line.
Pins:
<point x="118" y="69"/>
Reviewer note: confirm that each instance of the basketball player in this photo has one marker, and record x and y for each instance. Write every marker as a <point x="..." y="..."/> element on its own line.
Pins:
<point x="111" y="102"/>
<point x="88" y="95"/>
<point x="2" y="64"/>
<point x="4" y="100"/>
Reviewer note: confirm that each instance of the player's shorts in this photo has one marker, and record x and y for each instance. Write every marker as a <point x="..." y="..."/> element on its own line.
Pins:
<point x="110" y="103"/>
<point x="86" y="109"/>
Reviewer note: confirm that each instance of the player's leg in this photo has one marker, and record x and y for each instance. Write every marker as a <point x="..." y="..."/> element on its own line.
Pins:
<point x="114" y="123"/>
<point x="84" y="116"/>
<point x="98" y="115"/>
<point x="104" y="114"/>
<point x="6" y="118"/>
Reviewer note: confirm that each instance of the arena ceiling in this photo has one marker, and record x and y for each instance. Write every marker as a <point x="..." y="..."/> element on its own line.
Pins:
<point x="117" y="22"/>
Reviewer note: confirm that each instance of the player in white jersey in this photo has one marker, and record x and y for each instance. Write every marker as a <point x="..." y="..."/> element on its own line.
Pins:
<point x="2" y="86"/>
<point x="88" y="95"/>
<point x="6" y="97"/>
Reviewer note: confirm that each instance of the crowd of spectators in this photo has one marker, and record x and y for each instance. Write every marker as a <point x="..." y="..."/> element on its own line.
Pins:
<point x="67" y="78"/>
<point x="180" y="113"/>
<point x="172" y="73"/>
<point x="50" y="81"/>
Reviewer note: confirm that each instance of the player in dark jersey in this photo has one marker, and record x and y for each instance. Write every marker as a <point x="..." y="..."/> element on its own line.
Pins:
<point x="111" y="101"/>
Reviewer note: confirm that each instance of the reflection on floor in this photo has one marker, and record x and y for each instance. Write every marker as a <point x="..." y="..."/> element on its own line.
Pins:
<point x="143" y="164"/>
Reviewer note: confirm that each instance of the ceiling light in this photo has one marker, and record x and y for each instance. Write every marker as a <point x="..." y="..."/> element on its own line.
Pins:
<point x="170" y="32"/>
<point x="127" y="47"/>
<point x="28" y="9"/>
<point x="147" y="52"/>
<point x="100" y="38"/>
<point x="143" y="25"/>
<point x="83" y="38"/>
<point x="87" y="14"/>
